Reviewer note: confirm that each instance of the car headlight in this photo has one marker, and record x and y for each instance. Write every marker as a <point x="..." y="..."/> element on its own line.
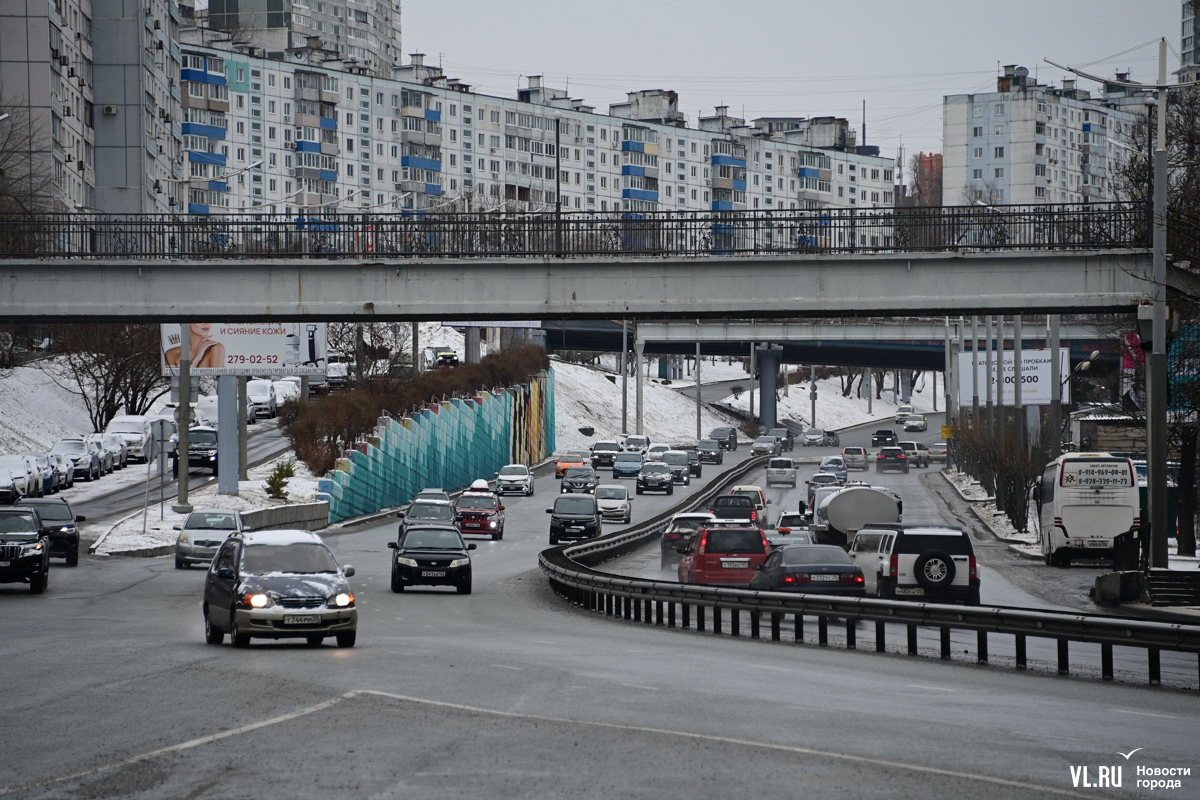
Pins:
<point x="460" y="562"/>
<point x="259" y="600"/>
<point x="183" y="537"/>
<point x="343" y="600"/>
<point x="492" y="524"/>
<point x="31" y="549"/>
<point x="408" y="562"/>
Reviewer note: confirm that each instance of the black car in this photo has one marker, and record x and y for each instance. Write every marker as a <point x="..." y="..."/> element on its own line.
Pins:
<point x="732" y="509"/>
<point x="681" y="471"/>
<point x="202" y="450"/>
<point x="810" y="569"/>
<point x="891" y="458"/>
<point x="603" y="454"/>
<point x="725" y="437"/>
<point x="24" y="548"/>
<point x="710" y="450"/>
<point x="575" y="517"/>
<point x="787" y="440"/>
<point x="278" y="585"/>
<point x="695" y="466"/>
<point x="431" y="555"/>
<point x="656" y="477"/>
<point x="579" y="480"/>
<point x="884" y="437"/>
<point x="428" y="511"/>
<point x="61" y="525"/>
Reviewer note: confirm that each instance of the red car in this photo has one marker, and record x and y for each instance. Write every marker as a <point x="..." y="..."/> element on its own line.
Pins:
<point x="480" y="513"/>
<point x="723" y="556"/>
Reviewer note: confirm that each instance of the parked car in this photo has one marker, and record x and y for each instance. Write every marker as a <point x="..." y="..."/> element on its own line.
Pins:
<point x="891" y="458"/>
<point x="765" y="446"/>
<point x="579" y="479"/>
<point x="787" y="440"/>
<point x="569" y="460"/>
<point x="285" y="391"/>
<point x="916" y="422"/>
<point x="60" y="525"/>
<point x="422" y="511"/>
<point x="278" y="584"/>
<point x="26" y="478"/>
<point x="916" y="452"/>
<point x="208" y="406"/>
<point x="627" y="464"/>
<point x="614" y="502"/>
<point x="781" y="471"/>
<point x="679" y="533"/>
<point x="925" y="562"/>
<point x="47" y="475"/>
<point x="811" y="569"/>
<point x="84" y="459"/>
<point x="818" y="437"/>
<point x="855" y="457"/>
<point x="723" y="556"/>
<point x="134" y="429"/>
<point x="655" y="476"/>
<point x="120" y="450"/>
<point x="65" y="468"/>
<point x="202" y="451"/>
<point x="677" y="460"/>
<point x="637" y="444"/>
<point x="734" y="509"/>
<point x="9" y="493"/>
<point x="431" y="555"/>
<point x="711" y="451"/>
<point x="107" y="462"/>
<point x="514" y="478"/>
<point x="903" y="413"/>
<point x="25" y="548"/>
<point x="339" y="370"/>
<point x="820" y="479"/>
<point x="575" y="516"/>
<point x="725" y="437"/>
<point x="835" y="465"/>
<point x="262" y="394"/>
<point x="938" y="452"/>
<point x="480" y="513"/>
<point x="884" y="437"/>
<point x="603" y="454"/>
<point x="202" y="532"/>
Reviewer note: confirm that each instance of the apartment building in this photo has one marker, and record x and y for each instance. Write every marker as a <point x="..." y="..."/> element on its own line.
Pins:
<point x="46" y="65"/>
<point x="1189" y="67"/>
<point x="1032" y="143"/>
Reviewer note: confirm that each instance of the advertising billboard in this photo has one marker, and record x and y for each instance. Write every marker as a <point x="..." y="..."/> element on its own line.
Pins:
<point x="247" y="348"/>
<point x="1035" y="377"/>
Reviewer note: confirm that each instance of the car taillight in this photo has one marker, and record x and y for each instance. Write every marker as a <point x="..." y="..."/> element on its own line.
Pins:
<point x="801" y="577"/>
<point x="894" y="566"/>
<point x="880" y="456"/>
<point x="670" y="535"/>
<point x="973" y="572"/>
<point x="703" y="542"/>
<point x="1136" y="521"/>
<point x="900" y="456"/>
<point x="850" y="577"/>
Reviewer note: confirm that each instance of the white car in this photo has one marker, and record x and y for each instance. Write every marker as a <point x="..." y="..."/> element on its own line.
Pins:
<point x="916" y="422"/>
<point x="262" y="395"/>
<point x="902" y="413"/>
<point x="286" y="391"/>
<point x="782" y="471"/>
<point x="514" y="478"/>
<point x="24" y="476"/>
<point x="8" y="488"/>
<point x="614" y="502"/>
<point x="134" y="429"/>
<point x="207" y="405"/>
<point x="655" y="451"/>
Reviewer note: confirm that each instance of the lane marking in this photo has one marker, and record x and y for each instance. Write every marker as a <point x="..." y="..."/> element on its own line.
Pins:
<point x="539" y="641"/>
<point x="505" y="666"/>
<point x="931" y="688"/>
<point x="639" y="686"/>
<point x="1143" y="713"/>
<point x="1048" y="736"/>
<point x="763" y="666"/>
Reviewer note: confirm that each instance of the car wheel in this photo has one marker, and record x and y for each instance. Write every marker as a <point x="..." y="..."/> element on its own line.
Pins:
<point x="179" y="563"/>
<point x="215" y="470"/>
<point x="934" y="569"/>
<point x="73" y="557"/>
<point x="315" y="640"/>
<point x="973" y="598"/>
<point x="347" y="638"/>
<point x="397" y="586"/>
<point x="639" y="490"/>
<point x="464" y="588"/>
<point x="553" y="540"/>
<point x="670" y="490"/>
<point x="236" y="637"/>
<point x="494" y="536"/>
<point x="212" y="634"/>
<point x="37" y="584"/>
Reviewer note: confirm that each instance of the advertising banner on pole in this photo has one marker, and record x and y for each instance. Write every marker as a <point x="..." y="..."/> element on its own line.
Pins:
<point x="1036" y="380"/>
<point x="248" y="348"/>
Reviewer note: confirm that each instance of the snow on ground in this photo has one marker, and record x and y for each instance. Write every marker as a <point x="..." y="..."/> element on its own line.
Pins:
<point x="585" y="397"/>
<point x="833" y="410"/>
<point x="967" y="486"/>
<point x="35" y="412"/>
<point x="252" y="495"/>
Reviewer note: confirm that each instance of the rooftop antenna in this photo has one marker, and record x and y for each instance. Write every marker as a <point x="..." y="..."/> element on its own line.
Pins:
<point x="864" y="137"/>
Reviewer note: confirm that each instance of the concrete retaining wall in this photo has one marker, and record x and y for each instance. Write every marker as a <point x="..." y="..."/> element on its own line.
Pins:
<point x="301" y="516"/>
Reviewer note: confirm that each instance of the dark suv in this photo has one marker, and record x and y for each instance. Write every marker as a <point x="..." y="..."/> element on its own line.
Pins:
<point x="884" y="437"/>
<point x="787" y="440"/>
<point x="891" y="458"/>
<point x="60" y="525"/>
<point x="202" y="450"/>
<point x="726" y="437"/>
<point x="656" y="477"/>
<point x="431" y="555"/>
<point x="24" y="548"/>
<point x="731" y="509"/>
<point x="710" y="450"/>
<point x="575" y="516"/>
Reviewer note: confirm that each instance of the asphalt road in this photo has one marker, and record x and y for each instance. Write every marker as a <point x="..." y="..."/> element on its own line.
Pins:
<point x="511" y="692"/>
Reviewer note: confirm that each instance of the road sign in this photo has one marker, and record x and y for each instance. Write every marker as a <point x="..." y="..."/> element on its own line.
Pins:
<point x="947" y="431"/>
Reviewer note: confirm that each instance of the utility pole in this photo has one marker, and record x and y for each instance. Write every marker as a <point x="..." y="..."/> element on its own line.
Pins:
<point x="624" y="376"/>
<point x="752" y="383"/>
<point x="243" y="463"/>
<point x="975" y="371"/>
<point x="639" y="346"/>
<point x="416" y="348"/>
<point x="946" y="370"/>
<point x="999" y="443"/>
<point x="1055" y="390"/>
<point x="558" y="195"/>
<point x="182" y="506"/>
<point x="812" y="392"/>
<point x="1018" y="408"/>
<point x="698" y="404"/>
<point x="991" y="376"/>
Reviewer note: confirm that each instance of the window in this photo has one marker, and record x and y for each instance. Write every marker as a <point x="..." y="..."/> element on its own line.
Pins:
<point x="977" y="174"/>
<point x="978" y="131"/>
<point x="977" y="152"/>
<point x="999" y="152"/>
<point x="999" y="172"/>
<point x="977" y="111"/>
<point x="999" y="110"/>
<point x="195" y="89"/>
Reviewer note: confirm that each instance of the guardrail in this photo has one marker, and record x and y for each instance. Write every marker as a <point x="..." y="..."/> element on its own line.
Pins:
<point x="419" y="234"/>
<point x="569" y="569"/>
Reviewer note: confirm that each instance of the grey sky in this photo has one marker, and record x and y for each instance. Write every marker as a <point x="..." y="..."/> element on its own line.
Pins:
<point x="787" y="57"/>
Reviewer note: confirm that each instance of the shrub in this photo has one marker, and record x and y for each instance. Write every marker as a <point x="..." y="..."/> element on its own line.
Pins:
<point x="737" y="391"/>
<point x="276" y="484"/>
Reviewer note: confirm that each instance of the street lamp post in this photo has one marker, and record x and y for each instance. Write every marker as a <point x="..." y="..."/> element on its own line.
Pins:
<point x="558" y="185"/>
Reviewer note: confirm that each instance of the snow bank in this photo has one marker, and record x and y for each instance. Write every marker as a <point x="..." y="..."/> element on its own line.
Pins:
<point x="833" y="410"/>
<point x="35" y="412"/>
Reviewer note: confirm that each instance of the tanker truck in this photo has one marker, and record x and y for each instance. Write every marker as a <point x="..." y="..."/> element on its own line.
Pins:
<point x="841" y="514"/>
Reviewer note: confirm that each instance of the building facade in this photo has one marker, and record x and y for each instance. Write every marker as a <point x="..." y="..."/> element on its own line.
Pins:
<point x="1189" y="52"/>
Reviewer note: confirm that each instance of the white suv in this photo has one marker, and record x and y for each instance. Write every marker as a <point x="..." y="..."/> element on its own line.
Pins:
<point x="924" y="562"/>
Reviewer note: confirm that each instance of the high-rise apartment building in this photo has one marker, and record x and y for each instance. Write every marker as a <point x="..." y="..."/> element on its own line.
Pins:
<point x="1189" y="67"/>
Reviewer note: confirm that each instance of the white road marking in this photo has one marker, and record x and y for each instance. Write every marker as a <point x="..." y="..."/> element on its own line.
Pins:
<point x="639" y="686"/>
<point x="931" y="688"/>
<point x="539" y="641"/>
<point x="504" y="666"/>
<point x="778" y="669"/>
<point x="1143" y="713"/>
<point x="1047" y="736"/>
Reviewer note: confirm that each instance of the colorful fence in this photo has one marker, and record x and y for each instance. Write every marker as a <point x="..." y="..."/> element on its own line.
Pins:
<point x="447" y="445"/>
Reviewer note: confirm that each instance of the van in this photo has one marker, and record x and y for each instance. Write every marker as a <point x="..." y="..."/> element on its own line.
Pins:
<point x="1084" y="501"/>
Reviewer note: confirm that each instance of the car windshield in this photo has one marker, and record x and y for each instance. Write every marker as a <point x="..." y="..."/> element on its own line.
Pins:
<point x="767" y="440"/>
<point x="488" y="503"/>
<point x="431" y="539"/>
<point x="736" y="540"/>
<point x="754" y="496"/>
<point x="53" y="512"/>
<point x="431" y="511"/>
<point x="794" y="556"/>
<point x="687" y="524"/>
<point x="779" y="463"/>
<point x="815" y="432"/>
<point x="202" y="437"/>
<point x="220" y="521"/>
<point x="891" y="451"/>
<point x="580" y="472"/>
<point x="833" y="462"/>
<point x="574" y="505"/>
<point x="301" y="558"/>
<point x="629" y="458"/>
<point x="737" y="501"/>
<point x="721" y="433"/>
<point x="791" y="521"/>
<point x="883" y="433"/>
<point x="125" y="427"/>
<point x="17" y="524"/>
<point x="607" y="446"/>
<point x="258" y="387"/>
<point x="514" y="472"/>
<point x="611" y="493"/>
<point x="678" y="459"/>
<point x="915" y="418"/>
<point x="69" y="447"/>
<point x="824" y="477"/>
<point x="854" y="451"/>
<point x="654" y="469"/>
<point x="708" y="444"/>
<point x="637" y="441"/>
<point x="955" y="543"/>
<point x="13" y="463"/>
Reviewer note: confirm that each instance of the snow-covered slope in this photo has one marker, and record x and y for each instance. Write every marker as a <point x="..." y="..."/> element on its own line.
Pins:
<point x="833" y="410"/>
<point x="35" y="412"/>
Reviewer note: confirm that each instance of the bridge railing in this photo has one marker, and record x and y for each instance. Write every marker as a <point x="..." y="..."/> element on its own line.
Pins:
<point x="507" y="234"/>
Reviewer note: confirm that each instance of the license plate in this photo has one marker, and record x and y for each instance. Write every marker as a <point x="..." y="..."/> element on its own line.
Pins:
<point x="1098" y="543"/>
<point x="734" y="565"/>
<point x="471" y="525"/>
<point x="823" y="577"/>
<point x="5" y="563"/>
<point x="575" y="530"/>
<point x="433" y="574"/>
<point x="904" y="591"/>
<point x="302" y="619"/>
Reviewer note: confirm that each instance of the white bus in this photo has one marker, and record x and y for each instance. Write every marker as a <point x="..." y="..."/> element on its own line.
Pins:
<point x="1084" y="501"/>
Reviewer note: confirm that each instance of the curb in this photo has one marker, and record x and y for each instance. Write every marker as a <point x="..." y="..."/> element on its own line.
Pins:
<point x="957" y="490"/>
<point x="96" y="544"/>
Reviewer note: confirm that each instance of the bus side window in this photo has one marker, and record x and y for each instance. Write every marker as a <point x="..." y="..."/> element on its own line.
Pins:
<point x="1049" y="478"/>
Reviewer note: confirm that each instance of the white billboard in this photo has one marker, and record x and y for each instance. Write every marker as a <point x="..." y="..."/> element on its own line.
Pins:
<point x="1036" y="381"/>
<point x="247" y="348"/>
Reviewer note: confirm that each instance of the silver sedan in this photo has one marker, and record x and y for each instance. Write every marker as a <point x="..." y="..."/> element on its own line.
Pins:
<point x="202" y="533"/>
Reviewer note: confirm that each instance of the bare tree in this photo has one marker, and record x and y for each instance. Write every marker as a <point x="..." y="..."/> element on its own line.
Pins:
<point x="25" y="169"/>
<point x="385" y="345"/>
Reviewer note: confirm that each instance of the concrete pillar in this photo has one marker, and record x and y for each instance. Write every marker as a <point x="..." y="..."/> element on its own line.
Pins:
<point x="768" y="358"/>
<point x="243" y="463"/>
<point x="975" y="372"/>
<point x="753" y="369"/>
<point x="227" y="440"/>
<point x="416" y="347"/>
<point x="699" y="405"/>
<point x="1018" y="406"/>
<point x="989" y="371"/>
<point x="639" y="347"/>
<point x="624" y="377"/>
<point x="1056" y="382"/>
<point x="472" y="346"/>
<point x="183" y="418"/>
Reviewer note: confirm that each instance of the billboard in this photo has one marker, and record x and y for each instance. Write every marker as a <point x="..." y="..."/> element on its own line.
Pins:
<point x="1035" y="377"/>
<point x="247" y="348"/>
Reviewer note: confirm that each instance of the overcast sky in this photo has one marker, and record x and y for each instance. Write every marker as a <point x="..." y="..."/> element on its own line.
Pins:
<point x="788" y="57"/>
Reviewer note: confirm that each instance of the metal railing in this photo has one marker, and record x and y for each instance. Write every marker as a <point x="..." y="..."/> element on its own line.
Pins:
<point x="569" y="569"/>
<point x="588" y="234"/>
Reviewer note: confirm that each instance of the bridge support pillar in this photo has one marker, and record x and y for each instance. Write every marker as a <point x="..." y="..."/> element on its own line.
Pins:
<point x="472" y="346"/>
<point x="227" y="434"/>
<point x="768" y="358"/>
<point x="640" y="347"/>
